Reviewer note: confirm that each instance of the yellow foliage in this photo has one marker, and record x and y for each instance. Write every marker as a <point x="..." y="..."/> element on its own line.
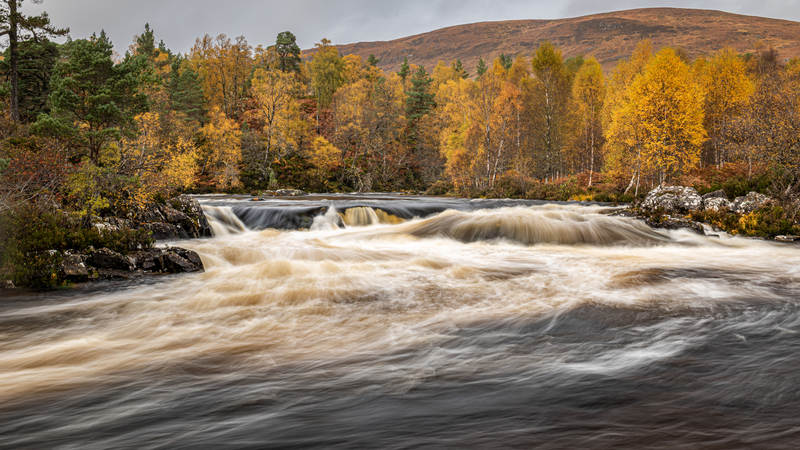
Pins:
<point x="222" y="144"/>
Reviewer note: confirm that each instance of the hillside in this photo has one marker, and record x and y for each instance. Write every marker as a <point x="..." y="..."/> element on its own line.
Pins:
<point x="608" y="37"/>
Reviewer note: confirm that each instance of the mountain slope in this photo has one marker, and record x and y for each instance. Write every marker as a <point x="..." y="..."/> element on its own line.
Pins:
<point x="608" y="37"/>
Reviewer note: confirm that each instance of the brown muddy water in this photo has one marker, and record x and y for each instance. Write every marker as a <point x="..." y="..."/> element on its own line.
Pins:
<point x="399" y="322"/>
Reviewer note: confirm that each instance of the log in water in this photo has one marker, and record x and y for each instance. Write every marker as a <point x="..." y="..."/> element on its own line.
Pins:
<point x="385" y="322"/>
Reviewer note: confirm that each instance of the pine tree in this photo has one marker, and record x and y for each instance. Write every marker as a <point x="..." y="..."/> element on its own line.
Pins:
<point x="17" y="26"/>
<point x="458" y="68"/>
<point x="419" y="102"/>
<point x="481" y="69"/>
<point x="372" y="60"/>
<point x="404" y="69"/>
<point x="288" y="52"/>
<point x="506" y="61"/>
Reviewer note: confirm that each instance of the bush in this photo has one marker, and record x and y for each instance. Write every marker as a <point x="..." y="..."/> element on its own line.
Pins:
<point x="441" y="187"/>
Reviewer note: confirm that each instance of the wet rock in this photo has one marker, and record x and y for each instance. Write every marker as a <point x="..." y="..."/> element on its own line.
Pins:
<point x="7" y="284"/>
<point x="284" y="193"/>
<point x="716" y="204"/>
<point x="109" y="259"/>
<point x="749" y="203"/>
<point x="172" y="215"/>
<point x="672" y="199"/>
<point x="73" y="267"/>
<point x="151" y="213"/>
<point x="113" y="274"/>
<point x="787" y="238"/>
<point x="672" y="223"/>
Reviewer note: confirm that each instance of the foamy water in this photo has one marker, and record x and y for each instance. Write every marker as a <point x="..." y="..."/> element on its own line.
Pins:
<point x="548" y="325"/>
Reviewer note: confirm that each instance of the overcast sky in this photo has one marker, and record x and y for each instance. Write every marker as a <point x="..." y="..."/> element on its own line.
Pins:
<point x="179" y="22"/>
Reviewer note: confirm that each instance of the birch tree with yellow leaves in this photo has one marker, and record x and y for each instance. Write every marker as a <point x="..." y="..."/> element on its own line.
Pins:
<point x="667" y="106"/>
<point x="276" y="110"/>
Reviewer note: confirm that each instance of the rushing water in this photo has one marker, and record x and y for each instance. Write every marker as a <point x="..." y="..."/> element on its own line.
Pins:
<point x="478" y="324"/>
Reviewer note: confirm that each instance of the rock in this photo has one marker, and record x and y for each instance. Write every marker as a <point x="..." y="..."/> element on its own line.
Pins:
<point x="161" y="230"/>
<point x="749" y="203"/>
<point x="673" y="199"/>
<point x="787" y="238"/>
<point x="716" y="204"/>
<point x="174" y="263"/>
<point x="671" y="223"/>
<point x="113" y="274"/>
<point x="172" y="215"/>
<point x="152" y="213"/>
<point x="109" y="259"/>
<point x="73" y="267"/>
<point x="8" y="284"/>
<point x="716" y="194"/>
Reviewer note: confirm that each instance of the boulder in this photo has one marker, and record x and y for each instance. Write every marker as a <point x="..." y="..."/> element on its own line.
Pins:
<point x="109" y="259"/>
<point x="672" y="223"/>
<point x="161" y="230"/>
<point x="673" y="199"/>
<point x="749" y="203"/>
<point x="73" y="267"/>
<point x="716" y="204"/>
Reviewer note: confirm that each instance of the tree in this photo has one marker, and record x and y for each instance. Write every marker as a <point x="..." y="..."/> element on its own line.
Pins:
<point x="327" y="72"/>
<point x="551" y="109"/>
<point x="94" y="100"/>
<point x="727" y="90"/>
<point x="37" y="60"/>
<point x="506" y="61"/>
<point x="404" y="70"/>
<point x="481" y="68"/>
<point x="419" y="102"/>
<point x="221" y="144"/>
<point x="224" y="67"/>
<point x="590" y="91"/>
<point x="372" y="60"/>
<point x="185" y="90"/>
<point x="288" y="52"/>
<point x="458" y="68"/>
<point x="17" y="26"/>
<point x="272" y="93"/>
<point x="668" y="104"/>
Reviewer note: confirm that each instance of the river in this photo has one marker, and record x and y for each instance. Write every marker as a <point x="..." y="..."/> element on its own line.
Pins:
<point x="405" y="322"/>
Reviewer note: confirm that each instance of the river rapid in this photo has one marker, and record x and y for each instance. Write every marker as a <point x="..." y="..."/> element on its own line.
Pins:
<point x="401" y="322"/>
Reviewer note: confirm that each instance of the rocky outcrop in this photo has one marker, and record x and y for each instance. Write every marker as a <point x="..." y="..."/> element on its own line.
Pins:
<point x="106" y="264"/>
<point x="672" y="199"/>
<point x="748" y="203"/>
<point x="177" y="218"/>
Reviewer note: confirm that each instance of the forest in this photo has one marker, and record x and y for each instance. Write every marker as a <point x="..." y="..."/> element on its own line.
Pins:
<point x="90" y="130"/>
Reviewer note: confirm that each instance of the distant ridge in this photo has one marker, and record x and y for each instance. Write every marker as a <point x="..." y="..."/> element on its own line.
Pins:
<point x="608" y="37"/>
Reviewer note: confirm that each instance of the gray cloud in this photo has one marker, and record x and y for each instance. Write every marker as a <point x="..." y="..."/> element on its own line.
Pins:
<point x="179" y="22"/>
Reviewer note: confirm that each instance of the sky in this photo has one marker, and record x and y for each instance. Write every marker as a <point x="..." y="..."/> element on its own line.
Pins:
<point x="179" y="22"/>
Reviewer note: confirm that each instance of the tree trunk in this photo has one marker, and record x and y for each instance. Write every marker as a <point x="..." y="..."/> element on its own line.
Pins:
<point x="14" y="57"/>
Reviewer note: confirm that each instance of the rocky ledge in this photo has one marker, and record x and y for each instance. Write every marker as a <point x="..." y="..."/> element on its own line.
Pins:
<point x="177" y="218"/>
<point x="667" y="207"/>
<point x="106" y="264"/>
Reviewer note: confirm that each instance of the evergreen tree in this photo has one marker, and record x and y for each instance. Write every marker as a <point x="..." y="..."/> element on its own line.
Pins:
<point x="17" y="26"/>
<point x="506" y="61"/>
<point x="481" y="69"/>
<point x="372" y="60"/>
<point x="185" y="90"/>
<point x="146" y="43"/>
<point x="419" y="102"/>
<point x="458" y="68"/>
<point x="288" y="52"/>
<point x="94" y="100"/>
<point x="36" y="63"/>
<point x="404" y="69"/>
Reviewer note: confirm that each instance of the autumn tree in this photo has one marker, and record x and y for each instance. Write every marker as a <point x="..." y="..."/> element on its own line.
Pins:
<point x="224" y="67"/>
<point x="221" y="149"/>
<point x="551" y="110"/>
<point x="589" y="91"/>
<point x="19" y="27"/>
<point x="623" y="133"/>
<point x="327" y="72"/>
<point x="668" y="104"/>
<point x="727" y="88"/>
<point x="275" y="110"/>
